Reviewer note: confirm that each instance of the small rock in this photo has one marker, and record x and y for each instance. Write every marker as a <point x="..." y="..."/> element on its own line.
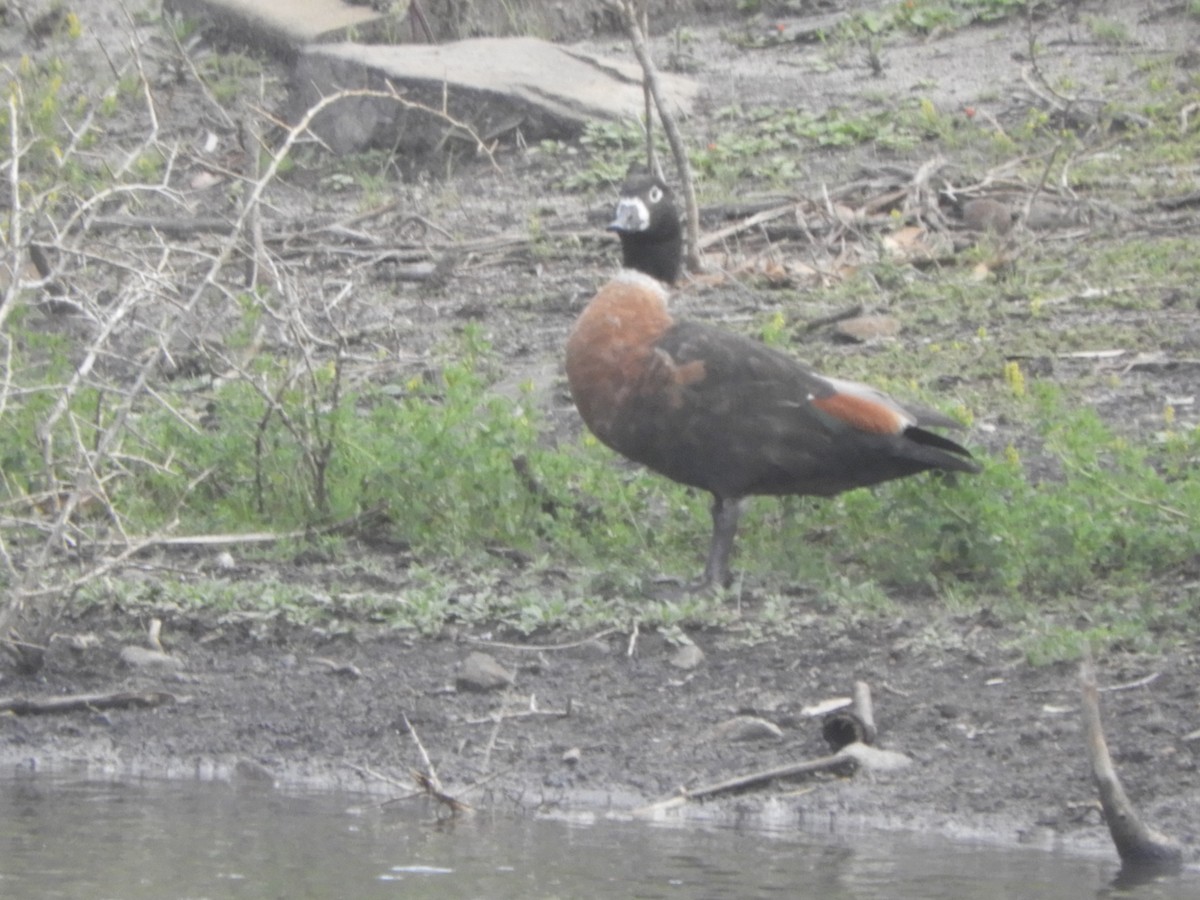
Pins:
<point x="481" y="672"/>
<point x="769" y="702"/>
<point x="689" y="656"/>
<point x="572" y="756"/>
<point x="345" y="669"/>
<point x="867" y="328"/>
<point x="948" y="710"/>
<point x="596" y="648"/>
<point x="203" y="180"/>
<point x="144" y="658"/>
<point x="80" y="643"/>
<point x="874" y="759"/>
<point x="746" y="728"/>
<point x="1049" y="215"/>
<point x="988" y="215"/>
<point x="249" y="770"/>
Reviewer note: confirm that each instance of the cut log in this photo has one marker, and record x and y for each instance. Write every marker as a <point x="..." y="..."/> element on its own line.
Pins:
<point x="855" y="725"/>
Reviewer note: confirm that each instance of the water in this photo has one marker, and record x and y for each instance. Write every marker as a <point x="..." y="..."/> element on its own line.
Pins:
<point x="78" y="838"/>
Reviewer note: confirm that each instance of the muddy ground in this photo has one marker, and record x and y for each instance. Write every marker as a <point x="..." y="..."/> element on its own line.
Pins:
<point x="995" y="743"/>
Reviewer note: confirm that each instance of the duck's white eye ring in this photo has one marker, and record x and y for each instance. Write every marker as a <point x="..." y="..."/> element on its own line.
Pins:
<point x="655" y="193"/>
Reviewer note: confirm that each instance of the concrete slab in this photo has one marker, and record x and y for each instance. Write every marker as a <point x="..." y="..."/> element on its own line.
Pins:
<point x="496" y="85"/>
<point x="285" y="26"/>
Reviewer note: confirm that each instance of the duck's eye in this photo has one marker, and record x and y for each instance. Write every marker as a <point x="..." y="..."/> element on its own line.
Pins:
<point x="655" y="193"/>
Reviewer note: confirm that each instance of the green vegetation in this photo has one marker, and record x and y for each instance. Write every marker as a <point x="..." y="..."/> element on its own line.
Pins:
<point x="765" y="146"/>
<point x="1093" y="515"/>
<point x="1085" y="527"/>
<point x="1108" y="31"/>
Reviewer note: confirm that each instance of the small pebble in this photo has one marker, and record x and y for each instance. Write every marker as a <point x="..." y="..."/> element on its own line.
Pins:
<point x="481" y="672"/>
<point x="689" y="656"/>
<point x="862" y="329"/>
<point x="144" y="658"/>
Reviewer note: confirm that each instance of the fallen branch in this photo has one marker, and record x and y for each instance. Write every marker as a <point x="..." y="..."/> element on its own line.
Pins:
<point x="841" y="762"/>
<point x="368" y="772"/>
<point x="1130" y="685"/>
<point x="849" y="312"/>
<point x="531" y="712"/>
<point x="1139" y="846"/>
<point x="753" y="221"/>
<point x="537" y="648"/>
<point x="28" y="706"/>
<point x="172" y="226"/>
<point x="348" y="525"/>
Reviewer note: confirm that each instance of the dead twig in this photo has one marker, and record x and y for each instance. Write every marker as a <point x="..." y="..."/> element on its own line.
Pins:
<point x="538" y="648"/>
<point x="759" y="218"/>
<point x="429" y="787"/>
<point x="348" y="525"/>
<point x="1130" y="685"/>
<point x="849" y="312"/>
<point x="75" y="702"/>
<point x="417" y="17"/>
<point x="335" y="667"/>
<point x="531" y="712"/>
<point x="368" y="772"/>
<point x="172" y="226"/>
<point x="428" y="780"/>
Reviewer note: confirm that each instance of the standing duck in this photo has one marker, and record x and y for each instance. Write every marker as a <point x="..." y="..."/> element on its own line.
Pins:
<point x="717" y="410"/>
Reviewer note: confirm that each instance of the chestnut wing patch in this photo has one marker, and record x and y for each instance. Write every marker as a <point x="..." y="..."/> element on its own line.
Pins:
<point x="862" y="413"/>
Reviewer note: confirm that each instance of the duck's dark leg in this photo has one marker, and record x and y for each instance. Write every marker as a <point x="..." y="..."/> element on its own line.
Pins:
<point x="725" y="515"/>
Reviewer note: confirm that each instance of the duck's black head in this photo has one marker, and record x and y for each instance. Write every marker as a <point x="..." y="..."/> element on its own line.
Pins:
<point x="647" y="221"/>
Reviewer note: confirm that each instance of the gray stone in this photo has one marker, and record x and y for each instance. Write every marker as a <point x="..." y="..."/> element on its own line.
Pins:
<point x="689" y="656"/>
<point x="987" y="215"/>
<point x="746" y="728"/>
<point x="249" y="770"/>
<point x="862" y="329"/>
<point x="481" y="672"/>
<point x="143" y="658"/>
<point x="496" y="86"/>
<point x="875" y="759"/>
<point x="1053" y="214"/>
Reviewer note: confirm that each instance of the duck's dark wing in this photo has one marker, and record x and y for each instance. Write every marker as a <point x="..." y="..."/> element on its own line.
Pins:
<point x="728" y="414"/>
